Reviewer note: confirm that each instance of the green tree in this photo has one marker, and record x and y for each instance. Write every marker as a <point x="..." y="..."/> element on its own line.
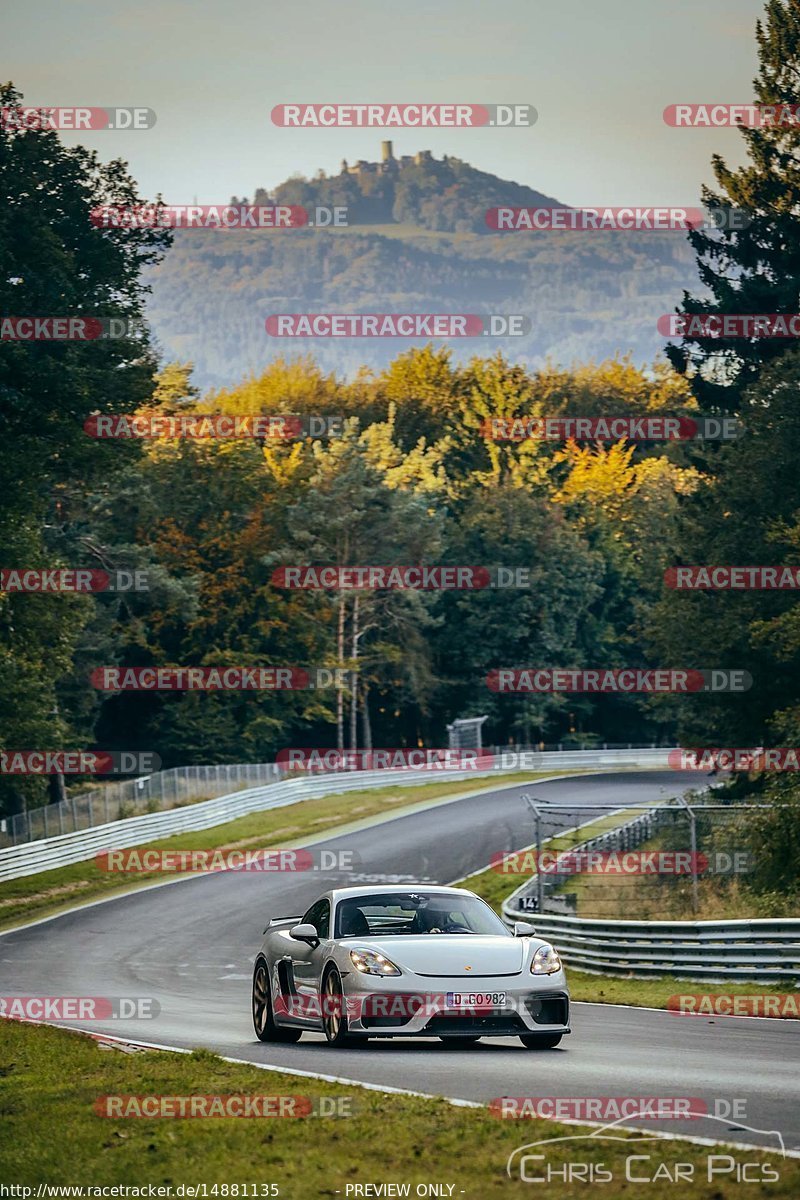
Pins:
<point x="548" y="623"/>
<point x="755" y="269"/>
<point x="748" y="513"/>
<point x="54" y="261"/>
<point x="350" y="516"/>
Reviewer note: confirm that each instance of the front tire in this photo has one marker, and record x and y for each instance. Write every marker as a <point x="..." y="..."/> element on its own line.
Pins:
<point x="540" y="1041"/>
<point x="334" y="1011"/>
<point x="263" y="1019"/>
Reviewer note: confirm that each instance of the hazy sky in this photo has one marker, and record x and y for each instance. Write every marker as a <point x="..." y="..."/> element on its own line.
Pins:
<point x="599" y="72"/>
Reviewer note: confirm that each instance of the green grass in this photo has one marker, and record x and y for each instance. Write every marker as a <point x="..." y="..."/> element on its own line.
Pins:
<point x="654" y="993"/>
<point x="50" y="1080"/>
<point x="495" y="887"/>
<point x="669" y="897"/>
<point x="50" y="892"/>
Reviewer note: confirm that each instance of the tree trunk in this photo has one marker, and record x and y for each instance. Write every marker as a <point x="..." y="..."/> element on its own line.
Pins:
<point x="339" y="693"/>
<point x="57" y="788"/>
<point x="354" y="679"/>
<point x="365" y="717"/>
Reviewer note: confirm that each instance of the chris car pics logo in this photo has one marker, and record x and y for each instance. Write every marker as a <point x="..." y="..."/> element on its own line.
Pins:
<point x="631" y="1163"/>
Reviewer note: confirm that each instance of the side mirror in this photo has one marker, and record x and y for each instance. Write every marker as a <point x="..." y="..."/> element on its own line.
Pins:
<point x="521" y="929"/>
<point x="304" y="932"/>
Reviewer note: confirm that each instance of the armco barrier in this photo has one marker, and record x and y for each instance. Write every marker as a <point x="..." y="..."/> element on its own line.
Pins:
<point x="757" y="950"/>
<point x="68" y="848"/>
<point x="116" y="800"/>
<point x="763" y="951"/>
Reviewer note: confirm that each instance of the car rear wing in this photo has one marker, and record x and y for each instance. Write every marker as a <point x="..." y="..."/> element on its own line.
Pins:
<point x="281" y="921"/>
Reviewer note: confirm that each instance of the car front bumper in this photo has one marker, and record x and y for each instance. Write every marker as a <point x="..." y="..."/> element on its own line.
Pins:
<point x="417" y="1006"/>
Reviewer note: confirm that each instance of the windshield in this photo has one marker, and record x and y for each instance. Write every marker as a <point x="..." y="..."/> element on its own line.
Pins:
<point x="384" y="914"/>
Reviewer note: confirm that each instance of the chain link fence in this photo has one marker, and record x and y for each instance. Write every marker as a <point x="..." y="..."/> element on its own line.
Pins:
<point x="132" y="797"/>
<point x="672" y="861"/>
<point x="185" y="785"/>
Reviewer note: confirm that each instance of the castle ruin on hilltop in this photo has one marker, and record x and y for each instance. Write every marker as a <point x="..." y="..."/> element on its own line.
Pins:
<point x="388" y="163"/>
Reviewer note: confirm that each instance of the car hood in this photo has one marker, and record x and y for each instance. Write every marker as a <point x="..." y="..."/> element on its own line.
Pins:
<point x="456" y="955"/>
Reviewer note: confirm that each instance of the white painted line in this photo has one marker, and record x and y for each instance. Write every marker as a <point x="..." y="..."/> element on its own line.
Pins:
<point x="396" y="1091"/>
<point x="688" y="1016"/>
<point x="302" y="843"/>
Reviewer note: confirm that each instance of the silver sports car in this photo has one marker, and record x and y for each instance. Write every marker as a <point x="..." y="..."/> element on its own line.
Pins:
<point x="407" y="961"/>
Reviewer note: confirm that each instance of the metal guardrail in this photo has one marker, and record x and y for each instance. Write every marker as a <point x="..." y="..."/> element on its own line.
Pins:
<point x="123" y="798"/>
<point x="65" y="849"/>
<point x="118" y="799"/>
<point x="759" y="950"/>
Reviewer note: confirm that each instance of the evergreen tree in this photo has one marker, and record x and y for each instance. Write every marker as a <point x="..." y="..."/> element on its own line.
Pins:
<point x="755" y="269"/>
<point x="55" y="262"/>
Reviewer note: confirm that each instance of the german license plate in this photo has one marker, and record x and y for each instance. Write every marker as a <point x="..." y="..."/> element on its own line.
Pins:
<point x="475" y="999"/>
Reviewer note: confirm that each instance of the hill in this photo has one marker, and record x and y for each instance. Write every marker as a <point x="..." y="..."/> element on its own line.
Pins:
<point x="418" y="190"/>
<point x="416" y="242"/>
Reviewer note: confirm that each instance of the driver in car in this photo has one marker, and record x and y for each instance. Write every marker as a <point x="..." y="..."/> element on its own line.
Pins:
<point x="429" y="920"/>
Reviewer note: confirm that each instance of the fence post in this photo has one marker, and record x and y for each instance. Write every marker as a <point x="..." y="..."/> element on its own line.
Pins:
<point x="695" y="901"/>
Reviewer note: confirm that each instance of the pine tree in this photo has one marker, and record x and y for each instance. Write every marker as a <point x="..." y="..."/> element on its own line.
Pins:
<point x="755" y="269"/>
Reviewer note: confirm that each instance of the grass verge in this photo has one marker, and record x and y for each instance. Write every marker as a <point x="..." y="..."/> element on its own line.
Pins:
<point x="654" y="993"/>
<point x="51" y="1079"/>
<point x="721" y="897"/>
<point x="496" y="886"/>
<point x="50" y="892"/>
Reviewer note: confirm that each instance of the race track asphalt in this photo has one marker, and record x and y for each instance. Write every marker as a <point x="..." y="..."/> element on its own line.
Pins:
<point x="191" y="945"/>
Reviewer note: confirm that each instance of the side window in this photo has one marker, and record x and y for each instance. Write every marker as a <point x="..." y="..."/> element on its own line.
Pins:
<point x="319" y="915"/>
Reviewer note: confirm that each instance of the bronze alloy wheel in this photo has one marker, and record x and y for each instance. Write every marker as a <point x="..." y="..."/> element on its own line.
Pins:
<point x="263" y="1020"/>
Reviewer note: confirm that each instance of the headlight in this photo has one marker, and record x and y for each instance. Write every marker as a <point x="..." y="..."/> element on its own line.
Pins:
<point x="545" y="961"/>
<point x="369" y="962"/>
